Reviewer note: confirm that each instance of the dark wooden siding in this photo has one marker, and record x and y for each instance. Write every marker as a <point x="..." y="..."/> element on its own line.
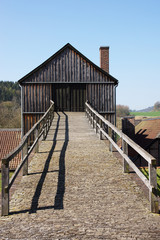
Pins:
<point x="68" y="67"/>
<point x="36" y="100"/>
<point x="101" y="97"/>
<point x="69" y="79"/>
<point x="36" y="97"/>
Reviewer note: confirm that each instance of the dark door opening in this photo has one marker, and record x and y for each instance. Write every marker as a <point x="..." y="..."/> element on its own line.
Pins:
<point x="69" y="97"/>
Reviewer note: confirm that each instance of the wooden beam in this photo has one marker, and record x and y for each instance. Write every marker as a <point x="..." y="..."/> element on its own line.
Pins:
<point x="153" y="194"/>
<point x="5" y="190"/>
<point x="125" y="151"/>
<point x="24" y="154"/>
<point x="61" y="82"/>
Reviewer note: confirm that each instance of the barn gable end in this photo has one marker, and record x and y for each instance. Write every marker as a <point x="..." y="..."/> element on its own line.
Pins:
<point x="69" y="79"/>
<point x="67" y="65"/>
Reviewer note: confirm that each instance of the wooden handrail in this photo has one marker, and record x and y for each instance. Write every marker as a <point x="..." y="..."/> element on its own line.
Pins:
<point x="40" y="128"/>
<point x="11" y="155"/>
<point x="94" y="118"/>
<point x="148" y="157"/>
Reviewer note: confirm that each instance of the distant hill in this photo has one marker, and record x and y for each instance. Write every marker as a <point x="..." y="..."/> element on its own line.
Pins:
<point x="149" y="109"/>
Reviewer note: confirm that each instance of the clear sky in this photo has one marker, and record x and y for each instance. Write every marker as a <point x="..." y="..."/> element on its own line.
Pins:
<point x="33" y="30"/>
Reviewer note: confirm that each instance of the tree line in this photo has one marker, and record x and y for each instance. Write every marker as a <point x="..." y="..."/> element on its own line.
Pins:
<point x="9" y="91"/>
<point x="10" y="102"/>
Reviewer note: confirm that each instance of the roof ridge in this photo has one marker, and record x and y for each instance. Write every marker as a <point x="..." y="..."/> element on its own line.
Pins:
<point x="150" y="119"/>
<point x="68" y="45"/>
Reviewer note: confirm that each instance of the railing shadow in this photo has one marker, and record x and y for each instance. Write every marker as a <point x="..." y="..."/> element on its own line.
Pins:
<point x="58" y="201"/>
<point x="35" y="199"/>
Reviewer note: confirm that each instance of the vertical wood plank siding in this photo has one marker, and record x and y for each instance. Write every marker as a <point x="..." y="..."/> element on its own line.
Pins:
<point x="68" y="67"/>
<point x="37" y="97"/>
<point x="61" y="80"/>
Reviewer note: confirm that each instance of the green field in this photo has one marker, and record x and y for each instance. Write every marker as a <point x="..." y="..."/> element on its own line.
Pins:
<point x="145" y="172"/>
<point x="10" y="175"/>
<point x="146" y="114"/>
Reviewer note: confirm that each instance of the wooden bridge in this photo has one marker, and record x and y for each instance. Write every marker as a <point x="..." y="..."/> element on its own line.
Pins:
<point x="74" y="187"/>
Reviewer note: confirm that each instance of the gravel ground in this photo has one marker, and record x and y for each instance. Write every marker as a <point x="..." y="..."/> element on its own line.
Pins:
<point x="75" y="189"/>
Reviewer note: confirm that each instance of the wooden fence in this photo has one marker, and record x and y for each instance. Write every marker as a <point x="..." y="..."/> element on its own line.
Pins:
<point x="109" y="131"/>
<point x="40" y="128"/>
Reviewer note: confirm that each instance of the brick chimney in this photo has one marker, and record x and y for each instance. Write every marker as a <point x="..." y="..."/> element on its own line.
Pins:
<point x="104" y="58"/>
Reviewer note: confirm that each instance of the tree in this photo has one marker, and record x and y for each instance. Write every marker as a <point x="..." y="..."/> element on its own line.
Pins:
<point x="10" y="114"/>
<point x="122" y="110"/>
<point x="9" y="91"/>
<point x="157" y="106"/>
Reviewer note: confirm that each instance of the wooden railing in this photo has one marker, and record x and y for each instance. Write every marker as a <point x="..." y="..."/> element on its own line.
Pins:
<point x="40" y="128"/>
<point x="109" y="131"/>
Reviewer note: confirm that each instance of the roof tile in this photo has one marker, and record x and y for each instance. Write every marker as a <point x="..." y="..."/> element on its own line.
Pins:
<point x="10" y="139"/>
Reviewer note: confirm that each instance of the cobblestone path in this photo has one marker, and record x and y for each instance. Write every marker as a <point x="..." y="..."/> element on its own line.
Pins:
<point x="76" y="190"/>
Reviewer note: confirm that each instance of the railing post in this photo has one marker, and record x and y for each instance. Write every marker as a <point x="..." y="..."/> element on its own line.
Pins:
<point x="48" y="118"/>
<point x="86" y="113"/>
<point x="46" y="124"/>
<point x="153" y="183"/>
<point x="110" y="144"/>
<point x="51" y="115"/>
<point x="85" y="110"/>
<point x="125" y="151"/>
<point x="5" y="190"/>
<point x="48" y="121"/>
<point x="91" y="117"/>
<point x="100" y="134"/>
<point x="36" y="136"/>
<point x="96" y="124"/>
<point x="44" y="129"/>
<point x="53" y="110"/>
<point x="93" y="121"/>
<point x="24" y="153"/>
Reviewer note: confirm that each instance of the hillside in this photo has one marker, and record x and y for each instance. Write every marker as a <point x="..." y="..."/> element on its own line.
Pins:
<point x="149" y="109"/>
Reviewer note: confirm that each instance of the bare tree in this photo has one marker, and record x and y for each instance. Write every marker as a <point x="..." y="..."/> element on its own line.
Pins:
<point x="157" y="106"/>
<point x="122" y="110"/>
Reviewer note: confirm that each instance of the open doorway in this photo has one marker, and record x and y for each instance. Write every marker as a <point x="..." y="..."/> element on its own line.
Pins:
<point x="69" y="97"/>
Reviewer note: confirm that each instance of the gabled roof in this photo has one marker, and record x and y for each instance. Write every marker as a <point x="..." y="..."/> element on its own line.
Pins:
<point x="146" y="131"/>
<point x="68" y="45"/>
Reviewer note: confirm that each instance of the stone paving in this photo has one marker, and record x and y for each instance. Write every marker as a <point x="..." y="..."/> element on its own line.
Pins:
<point x="76" y="190"/>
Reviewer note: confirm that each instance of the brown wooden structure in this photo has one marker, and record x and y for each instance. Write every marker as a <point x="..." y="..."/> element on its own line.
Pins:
<point x="69" y="79"/>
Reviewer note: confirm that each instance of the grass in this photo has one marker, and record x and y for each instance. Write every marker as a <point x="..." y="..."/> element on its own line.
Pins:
<point x="146" y="114"/>
<point x="144" y="170"/>
<point x="10" y="175"/>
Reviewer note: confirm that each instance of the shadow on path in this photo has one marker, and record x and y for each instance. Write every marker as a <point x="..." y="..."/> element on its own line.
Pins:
<point x="35" y="199"/>
<point x="58" y="201"/>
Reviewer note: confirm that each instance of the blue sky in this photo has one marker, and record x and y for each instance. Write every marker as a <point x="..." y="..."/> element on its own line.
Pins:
<point x="33" y="30"/>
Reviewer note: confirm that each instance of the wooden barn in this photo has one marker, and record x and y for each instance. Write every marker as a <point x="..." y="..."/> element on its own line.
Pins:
<point x="69" y="79"/>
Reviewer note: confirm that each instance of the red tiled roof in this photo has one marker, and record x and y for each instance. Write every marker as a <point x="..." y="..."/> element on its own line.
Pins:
<point x="10" y="139"/>
<point x="146" y="131"/>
